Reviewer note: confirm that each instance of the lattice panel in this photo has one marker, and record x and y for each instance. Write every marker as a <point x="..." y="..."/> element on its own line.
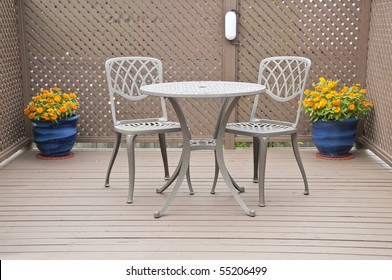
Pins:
<point x="378" y="127"/>
<point x="69" y="41"/>
<point x="11" y="95"/>
<point x="327" y="32"/>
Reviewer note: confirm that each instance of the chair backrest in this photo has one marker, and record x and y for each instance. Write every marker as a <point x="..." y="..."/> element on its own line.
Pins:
<point x="285" y="79"/>
<point x="125" y="76"/>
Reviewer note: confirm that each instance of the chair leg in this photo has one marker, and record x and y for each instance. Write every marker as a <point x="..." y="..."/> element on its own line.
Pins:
<point x="188" y="178"/>
<point x="215" y="176"/>
<point x="263" y="144"/>
<point x="162" y="144"/>
<point x="113" y="158"/>
<point x="255" y="159"/>
<point x="131" y="165"/>
<point x="299" y="161"/>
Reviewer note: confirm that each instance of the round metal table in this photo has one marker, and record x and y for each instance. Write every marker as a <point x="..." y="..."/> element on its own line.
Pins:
<point x="203" y="89"/>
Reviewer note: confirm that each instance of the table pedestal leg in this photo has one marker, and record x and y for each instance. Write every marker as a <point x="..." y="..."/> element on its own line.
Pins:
<point x="220" y="159"/>
<point x="183" y="165"/>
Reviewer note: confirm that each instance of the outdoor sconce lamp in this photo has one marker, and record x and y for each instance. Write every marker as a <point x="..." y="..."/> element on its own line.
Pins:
<point x="231" y="25"/>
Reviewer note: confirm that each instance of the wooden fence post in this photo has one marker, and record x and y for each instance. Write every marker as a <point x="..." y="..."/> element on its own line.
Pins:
<point x="364" y="28"/>
<point x="229" y="66"/>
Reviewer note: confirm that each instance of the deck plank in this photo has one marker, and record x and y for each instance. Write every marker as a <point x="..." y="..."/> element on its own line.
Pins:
<point x="61" y="210"/>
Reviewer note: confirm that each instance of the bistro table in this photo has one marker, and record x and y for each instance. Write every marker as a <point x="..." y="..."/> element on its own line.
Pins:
<point x="203" y="89"/>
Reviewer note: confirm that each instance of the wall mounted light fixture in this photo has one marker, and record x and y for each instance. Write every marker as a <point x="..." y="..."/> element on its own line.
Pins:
<point x="231" y="25"/>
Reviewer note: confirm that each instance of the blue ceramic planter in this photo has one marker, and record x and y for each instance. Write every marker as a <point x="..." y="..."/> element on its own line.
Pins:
<point x="334" y="138"/>
<point x="55" y="139"/>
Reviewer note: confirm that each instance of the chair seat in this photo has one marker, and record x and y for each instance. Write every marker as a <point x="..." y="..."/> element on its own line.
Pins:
<point x="259" y="129"/>
<point x="148" y="127"/>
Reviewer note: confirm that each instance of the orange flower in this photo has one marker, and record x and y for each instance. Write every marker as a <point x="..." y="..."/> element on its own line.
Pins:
<point x="344" y="89"/>
<point x="363" y="91"/>
<point x="323" y="103"/>
<point x="31" y="116"/>
<point x="367" y="103"/>
<point x="55" y="89"/>
<point x="57" y="98"/>
<point x="337" y="110"/>
<point x="63" y="109"/>
<point x="336" y="102"/>
<point x="26" y="111"/>
<point x="332" y="84"/>
<point x="351" y="107"/>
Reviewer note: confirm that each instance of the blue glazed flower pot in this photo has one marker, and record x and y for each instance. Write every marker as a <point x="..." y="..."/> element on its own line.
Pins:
<point x="334" y="138"/>
<point x="55" y="139"/>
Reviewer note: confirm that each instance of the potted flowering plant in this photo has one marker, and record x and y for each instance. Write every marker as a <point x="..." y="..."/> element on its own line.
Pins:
<point x="52" y="113"/>
<point x="334" y="111"/>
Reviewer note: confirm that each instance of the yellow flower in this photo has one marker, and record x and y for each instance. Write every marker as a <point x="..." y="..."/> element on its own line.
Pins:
<point x="322" y="80"/>
<point x="57" y="98"/>
<point x="72" y="95"/>
<point x="363" y="91"/>
<point x="318" y="88"/>
<point x="313" y="94"/>
<point x="337" y="110"/>
<point x="332" y="84"/>
<point x="40" y="110"/>
<point x="336" y="102"/>
<point x="357" y="85"/>
<point x="323" y="103"/>
<point x="325" y="90"/>
<point x="329" y="96"/>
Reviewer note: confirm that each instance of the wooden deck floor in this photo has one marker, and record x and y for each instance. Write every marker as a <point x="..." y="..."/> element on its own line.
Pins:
<point x="61" y="210"/>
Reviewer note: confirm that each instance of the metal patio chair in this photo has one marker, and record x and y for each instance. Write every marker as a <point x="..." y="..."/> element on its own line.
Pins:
<point x="285" y="79"/>
<point x="125" y="76"/>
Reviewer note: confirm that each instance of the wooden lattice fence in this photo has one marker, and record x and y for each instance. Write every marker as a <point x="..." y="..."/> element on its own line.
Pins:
<point x="378" y="129"/>
<point x="12" y="125"/>
<point x="66" y="42"/>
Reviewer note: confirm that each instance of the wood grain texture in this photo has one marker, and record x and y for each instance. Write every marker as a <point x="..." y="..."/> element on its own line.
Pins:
<point x="61" y="210"/>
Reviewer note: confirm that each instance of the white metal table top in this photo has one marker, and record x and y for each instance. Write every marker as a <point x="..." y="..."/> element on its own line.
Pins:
<point x="202" y="89"/>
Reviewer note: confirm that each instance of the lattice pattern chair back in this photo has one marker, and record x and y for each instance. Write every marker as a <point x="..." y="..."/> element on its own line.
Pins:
<point x="285" y="79"/>
<point x="125" y="76"/>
